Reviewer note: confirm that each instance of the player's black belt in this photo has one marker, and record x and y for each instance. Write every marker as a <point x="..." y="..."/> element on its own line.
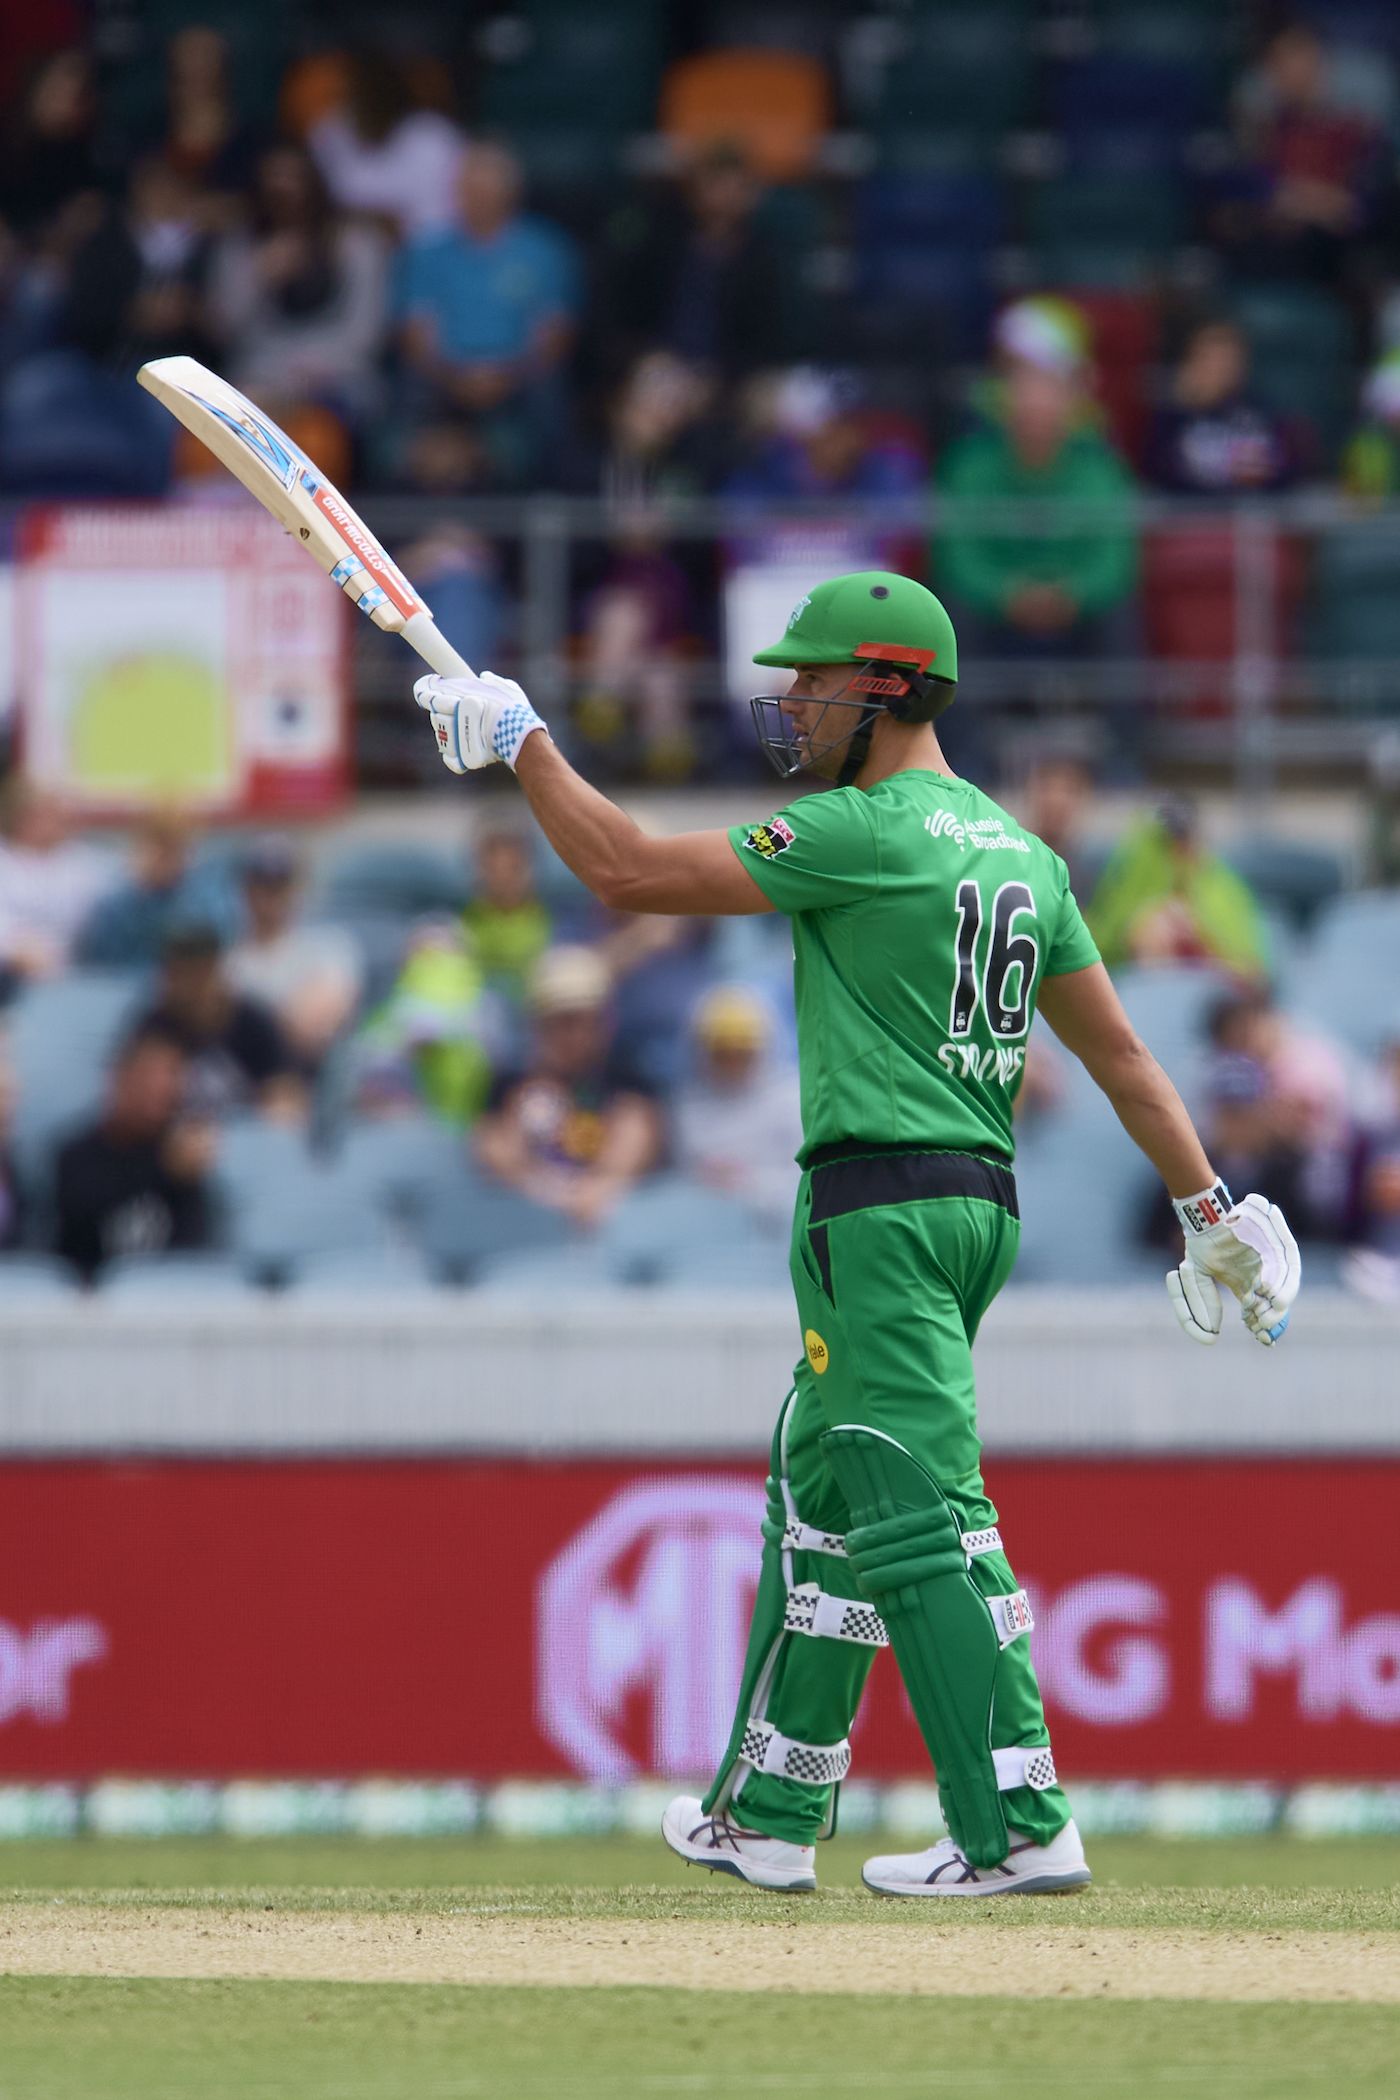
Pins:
<point x="853" y="1175"/>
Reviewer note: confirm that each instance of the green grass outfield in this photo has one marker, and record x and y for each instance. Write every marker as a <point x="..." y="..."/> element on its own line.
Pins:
<point x="81" y="2037"/>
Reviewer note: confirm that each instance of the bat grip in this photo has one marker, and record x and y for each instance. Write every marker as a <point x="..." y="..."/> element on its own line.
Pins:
<point x="434" y="648"/>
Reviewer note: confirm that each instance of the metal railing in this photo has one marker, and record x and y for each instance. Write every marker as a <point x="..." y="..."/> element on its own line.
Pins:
<point x="1298" y="599"/>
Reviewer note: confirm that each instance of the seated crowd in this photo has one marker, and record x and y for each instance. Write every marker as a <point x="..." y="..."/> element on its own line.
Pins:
<point x="564" y="1055"/>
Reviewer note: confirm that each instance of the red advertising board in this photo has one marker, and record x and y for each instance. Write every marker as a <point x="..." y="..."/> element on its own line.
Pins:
<point x="1202" y="1617"/>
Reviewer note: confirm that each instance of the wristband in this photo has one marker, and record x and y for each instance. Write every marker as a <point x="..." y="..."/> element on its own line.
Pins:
<point x="516" y="721"/>
<point x="1199" y="1213"/>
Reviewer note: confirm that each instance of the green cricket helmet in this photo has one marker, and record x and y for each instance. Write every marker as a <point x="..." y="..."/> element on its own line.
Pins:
<point x="900" y="640"/>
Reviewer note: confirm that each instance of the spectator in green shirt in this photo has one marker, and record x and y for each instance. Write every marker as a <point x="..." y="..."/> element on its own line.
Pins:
<point x="1032" y="592"/>
<point x="1371" y="461"/>
<point x="507" y="923"/>
<point x="1165" y="898"/>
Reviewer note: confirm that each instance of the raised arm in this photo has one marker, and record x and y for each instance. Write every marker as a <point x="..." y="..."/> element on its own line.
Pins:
<point x="694" y="872"/>
<point x="478" y="721"/>
<point x="1247" y="1246"/>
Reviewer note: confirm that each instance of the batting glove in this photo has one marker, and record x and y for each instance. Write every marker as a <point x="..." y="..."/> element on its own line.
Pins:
<point x="476" y="720"/>
<point x="1246" y="1246"/>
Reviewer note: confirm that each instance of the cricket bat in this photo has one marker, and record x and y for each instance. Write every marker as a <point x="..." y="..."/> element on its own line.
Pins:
<point x="302" y="500"/>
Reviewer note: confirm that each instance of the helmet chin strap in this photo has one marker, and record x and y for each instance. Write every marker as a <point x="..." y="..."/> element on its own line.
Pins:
<point x="857" y="748"/>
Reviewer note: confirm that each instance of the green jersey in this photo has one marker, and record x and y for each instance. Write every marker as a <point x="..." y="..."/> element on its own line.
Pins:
<point x="923" y="920"/>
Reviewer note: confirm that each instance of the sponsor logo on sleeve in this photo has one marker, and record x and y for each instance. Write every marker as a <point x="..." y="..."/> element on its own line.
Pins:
<point x="769" y="840"/>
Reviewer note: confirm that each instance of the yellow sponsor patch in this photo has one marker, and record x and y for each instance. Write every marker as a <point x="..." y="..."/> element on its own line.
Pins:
<point x="818" y="1355"/>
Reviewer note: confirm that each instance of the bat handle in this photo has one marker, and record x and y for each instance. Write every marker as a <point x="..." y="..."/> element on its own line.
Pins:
<point x="434" y="648"/>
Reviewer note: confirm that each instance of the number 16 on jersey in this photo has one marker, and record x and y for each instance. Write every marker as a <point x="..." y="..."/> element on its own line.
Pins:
<point x="1012" y="957"/>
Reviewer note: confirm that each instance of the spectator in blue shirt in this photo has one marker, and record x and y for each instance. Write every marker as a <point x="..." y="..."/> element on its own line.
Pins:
<point x="487" y="310"/>
<point x="165" y="890"/>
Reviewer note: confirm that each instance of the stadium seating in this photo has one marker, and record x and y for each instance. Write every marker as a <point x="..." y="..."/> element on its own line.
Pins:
<point x="1346" y="979"/>
<point x="1355" y="612"/>
<point x="545" y="1273"/>
<point x="366" y="1272"/>
<point x="668" y="1220"/>
<point x="775" y="105"/>
<point x="1191" y="602"/>
<point x="35" y="1279"/>
<point x="1110" y="232"/>
<point x="152" y="1279"/>
<point x="468" y="1221"/>
<point x="281" y="1202"/>
<point x="1303" y="352"/>
<point x="391" y="879"/>
<point x="61" y="1035"/>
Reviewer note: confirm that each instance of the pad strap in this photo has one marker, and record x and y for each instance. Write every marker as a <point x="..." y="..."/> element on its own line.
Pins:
<point x="975" y="1542"/>
<point x="1011" y="1616"/>
<point x="810" y="1609"/>
<point x="1018" y="1766"/>
<point x="817" y="1764"/>
<point x="805" y="1538"/>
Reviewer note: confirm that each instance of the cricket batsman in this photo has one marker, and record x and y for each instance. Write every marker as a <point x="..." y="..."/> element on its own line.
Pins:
<point x="928" y="928"/>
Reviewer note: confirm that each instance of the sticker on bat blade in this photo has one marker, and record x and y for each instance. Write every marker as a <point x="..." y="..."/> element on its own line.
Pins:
<point x="262" y="439"/>
<point x="396" y="586"/>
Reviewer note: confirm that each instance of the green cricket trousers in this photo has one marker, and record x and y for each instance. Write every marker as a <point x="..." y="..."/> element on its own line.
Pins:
<point x="896" y="1255"/>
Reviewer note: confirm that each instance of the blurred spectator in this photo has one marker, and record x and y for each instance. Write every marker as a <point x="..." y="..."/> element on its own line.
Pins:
<point x="1053" y="804"/>
<point x="1165" y="897"/>
<point x="137" y="1180"/>
<point x="576" y="1129"/>
<point x="165" y="887"/>
<point x="659" y="968"/>
<point x="1373" y="1267"/>
<point x="1281" y="1117"/>
<point x="738" y="1119"/>
<point x="661" y="436"/>
<point x="487" y="310"/>
<point x="1371" y="461"/>
<point x="237" y="1057"/>
<point x="1383" y="807"/>
<point x="205" y="138"/>
<point x="48" y="154"/>
<point x="299" y="297"/>
<point x="310" y="977"/>
<point x="428" y="1045"/>
<point x="1033" y="592"/>
<point x="381" y="155"/>
<point x="699" y="274"/>
<point x="1213" y="437"/>
<point x="165" y="226"/>
<point x="634" y="668"/>
<point x="819" y="445"/>
<point x="49" y="881"/>
<point x="1310" y="170"/>
<point x="507" y="921"/>
<point x="14" y="1201"/>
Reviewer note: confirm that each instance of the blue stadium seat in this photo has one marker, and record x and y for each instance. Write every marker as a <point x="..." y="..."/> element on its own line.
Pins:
<point x="1303" y="344"/>
<point x="61" y="1036"/>
<point x="1297" y="880"/>
<point x="391" y="879"/>
<point x="35" y="1279"/>
<point x="1347" y="978"/>
<point x="283" y="1203"/>
<point x="762" y="1266"/>
<point x="472" y="1219"/>
<point x="582" y="1268"/>
<point x="365" y="1272"/>
<point x="153" y="1279"/>
<point x="668" y="1220"/>
<point x="1355" y="614"/>
<point x="395" y="1163"/>
<point x="1126" y="88"/>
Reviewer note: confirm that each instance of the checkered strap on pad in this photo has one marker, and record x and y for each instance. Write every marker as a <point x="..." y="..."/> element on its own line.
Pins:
<point x="814" y="1764"/>
<point x="806" y="1538"/>
<point x="810" y="1609"/>
<point x="1019" y="1766"/>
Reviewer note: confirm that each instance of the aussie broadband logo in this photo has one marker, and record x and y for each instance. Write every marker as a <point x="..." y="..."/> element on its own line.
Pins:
<point x="640" y="1627"/>
<point x="944" y="825"/>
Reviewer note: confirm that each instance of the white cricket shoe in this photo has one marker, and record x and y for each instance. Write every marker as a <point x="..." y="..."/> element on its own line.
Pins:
<point x="721" y="1843"/>
<point x="1027" y="1870"/>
